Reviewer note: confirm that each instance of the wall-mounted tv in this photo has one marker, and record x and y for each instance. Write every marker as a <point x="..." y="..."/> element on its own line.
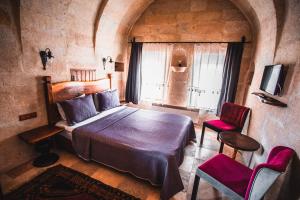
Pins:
<point x="273" y="79"/>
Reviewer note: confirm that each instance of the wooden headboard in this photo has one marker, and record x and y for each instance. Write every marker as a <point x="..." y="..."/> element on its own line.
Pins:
<point x="83" y="74"/>
<point x="60" y="91"/>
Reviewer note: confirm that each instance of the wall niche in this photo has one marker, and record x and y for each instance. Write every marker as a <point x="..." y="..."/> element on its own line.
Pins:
<point x="179" y="59"/>
<point x="182" y="54"/>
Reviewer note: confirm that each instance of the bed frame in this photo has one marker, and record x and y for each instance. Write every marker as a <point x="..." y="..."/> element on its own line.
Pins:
<point x="60" y="91"/>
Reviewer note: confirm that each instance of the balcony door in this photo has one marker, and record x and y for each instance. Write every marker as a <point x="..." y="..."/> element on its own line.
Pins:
<point x="206" y="76"/>
<point x="155" y="71"/>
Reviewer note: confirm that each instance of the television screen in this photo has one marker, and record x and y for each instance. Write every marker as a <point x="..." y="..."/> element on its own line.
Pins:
<point x="272" y="80"/>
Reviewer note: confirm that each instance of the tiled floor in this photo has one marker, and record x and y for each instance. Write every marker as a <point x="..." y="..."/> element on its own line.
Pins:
<point x="126" y="182"/>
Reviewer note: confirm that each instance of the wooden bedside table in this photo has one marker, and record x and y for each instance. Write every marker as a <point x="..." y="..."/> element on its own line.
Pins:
<point x="41" y="138"/>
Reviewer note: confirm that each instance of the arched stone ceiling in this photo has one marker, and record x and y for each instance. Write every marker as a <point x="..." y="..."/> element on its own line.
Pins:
<point x="114" y="24"/>
<point x="281" y="12"/>
<point x="262" y="17"/>
<point x="119" y="16"/>
<point x="249" y="13"/>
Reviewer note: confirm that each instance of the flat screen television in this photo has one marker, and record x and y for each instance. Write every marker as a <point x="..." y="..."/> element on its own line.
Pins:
<point x="272" y="79"/>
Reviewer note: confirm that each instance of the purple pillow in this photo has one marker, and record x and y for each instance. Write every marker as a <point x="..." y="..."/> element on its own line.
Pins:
<point x="78" y="109"/>
<point x="108" y="99"/>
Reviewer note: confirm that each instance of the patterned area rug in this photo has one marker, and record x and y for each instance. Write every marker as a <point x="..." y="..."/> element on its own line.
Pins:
<point x="62" y="183"/>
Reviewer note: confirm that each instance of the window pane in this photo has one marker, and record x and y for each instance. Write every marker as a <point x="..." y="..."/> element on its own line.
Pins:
<point x="207" y="76"/>
<point x="154" y="72"/>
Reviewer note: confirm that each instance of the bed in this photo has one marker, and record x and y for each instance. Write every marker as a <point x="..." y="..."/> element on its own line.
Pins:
<point x="153" y="141"/>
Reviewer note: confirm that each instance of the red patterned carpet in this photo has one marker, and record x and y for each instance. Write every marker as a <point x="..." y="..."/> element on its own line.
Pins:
<point x="62" y="183"/>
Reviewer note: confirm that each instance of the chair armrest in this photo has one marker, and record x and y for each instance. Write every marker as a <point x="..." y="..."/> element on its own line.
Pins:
<point x="264" y="179"/>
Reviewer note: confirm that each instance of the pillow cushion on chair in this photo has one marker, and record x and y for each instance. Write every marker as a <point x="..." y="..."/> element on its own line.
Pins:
<point x="221" y="125"/>
<point x="229" y="172"/>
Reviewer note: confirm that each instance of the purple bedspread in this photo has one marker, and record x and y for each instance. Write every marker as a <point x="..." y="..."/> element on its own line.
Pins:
<point x="148" y="144"/>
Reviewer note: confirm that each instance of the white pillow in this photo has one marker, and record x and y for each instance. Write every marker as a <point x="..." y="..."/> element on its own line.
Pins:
<point x="61" y="110"/>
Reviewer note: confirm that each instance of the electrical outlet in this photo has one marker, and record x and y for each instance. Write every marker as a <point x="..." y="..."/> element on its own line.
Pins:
<point x="27" y="116"/>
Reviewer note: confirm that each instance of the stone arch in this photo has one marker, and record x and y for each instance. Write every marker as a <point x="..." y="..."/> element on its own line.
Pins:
<point x="281" y="11"/>
<point x="114" y="24"/>
<point x="119" y="16"/>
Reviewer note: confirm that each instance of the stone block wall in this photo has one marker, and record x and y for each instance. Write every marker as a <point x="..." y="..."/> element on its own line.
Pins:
<point x="272" y="125"/>
<point x="26" y="27"/>
<point x="177" y="94"/>
<point x="278" y="43"/>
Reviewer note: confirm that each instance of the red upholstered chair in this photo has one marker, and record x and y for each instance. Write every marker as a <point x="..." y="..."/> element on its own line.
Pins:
<point x="240" y="182"/>
<point x="232" y="118"/>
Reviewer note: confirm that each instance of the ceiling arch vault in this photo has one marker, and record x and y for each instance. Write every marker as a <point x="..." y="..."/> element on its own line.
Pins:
<point x="116" y="18"/>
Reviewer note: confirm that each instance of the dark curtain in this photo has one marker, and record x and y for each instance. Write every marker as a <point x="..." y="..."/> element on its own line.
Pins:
<point x="231" y="73"/>
<point x="133" y="85"/>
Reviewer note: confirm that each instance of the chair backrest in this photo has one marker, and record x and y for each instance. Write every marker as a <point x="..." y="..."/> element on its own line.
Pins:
<point x="265" y="174"/>
<point x="234" y="114"/>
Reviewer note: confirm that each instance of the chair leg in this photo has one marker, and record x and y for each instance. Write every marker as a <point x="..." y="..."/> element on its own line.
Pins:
<point x="221" y="147"/>
<point x="202" y="135"/>
<point x="195" y="187"/>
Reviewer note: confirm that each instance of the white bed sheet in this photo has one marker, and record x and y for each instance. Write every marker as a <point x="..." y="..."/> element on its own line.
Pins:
<point x="69" y="129"/>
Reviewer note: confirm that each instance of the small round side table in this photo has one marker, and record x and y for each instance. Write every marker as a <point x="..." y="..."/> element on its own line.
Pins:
<point x="238" y="141"/>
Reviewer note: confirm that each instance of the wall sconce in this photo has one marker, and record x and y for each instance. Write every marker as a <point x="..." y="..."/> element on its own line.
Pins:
<point x="105" y="59"/>
<point x="46" y="56"/>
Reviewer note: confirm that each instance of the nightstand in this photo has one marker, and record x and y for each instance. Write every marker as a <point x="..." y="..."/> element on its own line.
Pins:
<point x="42" y="137"/>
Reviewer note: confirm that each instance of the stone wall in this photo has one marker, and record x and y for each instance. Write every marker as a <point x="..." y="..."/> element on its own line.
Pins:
<point x="196" y="20"/>
<point x="270" y="125"/>
<point x="178" y="81"/>
<point x="26" y="27"/>
<point x="275" y="125"/>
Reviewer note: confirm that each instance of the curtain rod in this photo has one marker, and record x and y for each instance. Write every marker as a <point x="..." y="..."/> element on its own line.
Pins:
<point x="243" y="40"/>
<point x="191" y="42"/>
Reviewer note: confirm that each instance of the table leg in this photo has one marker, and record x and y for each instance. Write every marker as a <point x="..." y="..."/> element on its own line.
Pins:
<point x="234" y="154"/>
<point x="221" y="147"/>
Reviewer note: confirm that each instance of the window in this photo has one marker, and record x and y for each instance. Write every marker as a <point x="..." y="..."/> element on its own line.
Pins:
<point x="155" y="72"/>
<point x="206" y="76"/>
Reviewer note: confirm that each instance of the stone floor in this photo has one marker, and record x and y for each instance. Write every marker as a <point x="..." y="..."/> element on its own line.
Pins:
<point x="126" y="182"/>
